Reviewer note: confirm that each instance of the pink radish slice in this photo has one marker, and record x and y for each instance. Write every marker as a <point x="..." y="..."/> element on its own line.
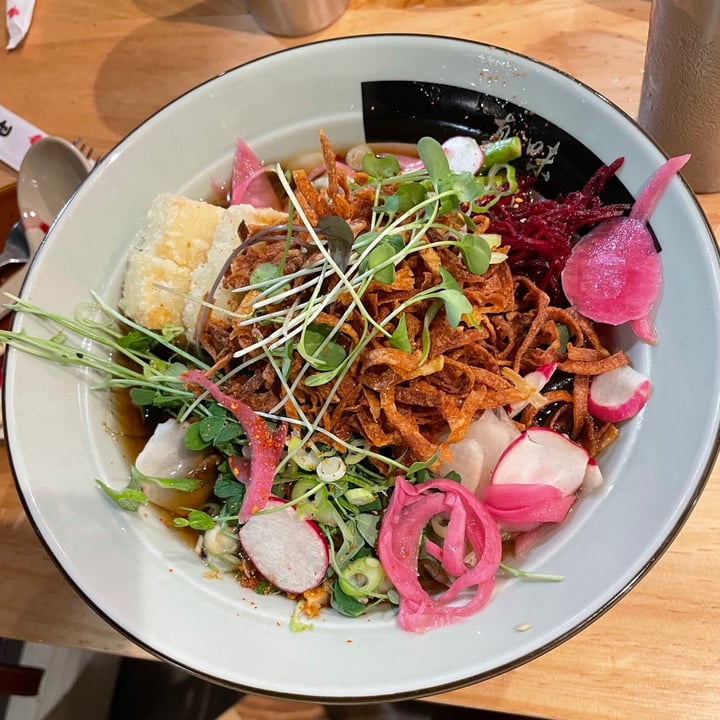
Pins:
<point x="537" y="379"/>
<point x="644" y="328"/>
<point x="250" y="184"/>
<point x="545" y="457"/>
<point x="618" y="394"/>
<point x="290" y="552"/>
<point x="463" y="154"/>
<point x="614" y="274"/>
<point x="409" y="163"/>
<point x="655" y="187"/>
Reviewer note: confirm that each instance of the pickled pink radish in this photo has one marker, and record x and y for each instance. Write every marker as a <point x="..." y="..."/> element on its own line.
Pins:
<point x="618" y="394"/>
<point x="287" y="550"/>
<point x="614" y="274"/>
<point x="410" y="509"/>
<point x="655" y="187"/>
<point x="644" y="328"/>
<point x="266" y="448"/>
<point x="250" y="183"/>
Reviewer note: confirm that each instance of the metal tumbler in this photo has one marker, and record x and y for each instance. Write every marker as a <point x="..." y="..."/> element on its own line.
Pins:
<point x="680" y="99"/>
<point x="293" y="18"/>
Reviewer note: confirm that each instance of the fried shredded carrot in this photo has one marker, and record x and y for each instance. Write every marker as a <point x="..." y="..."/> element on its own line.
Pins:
<point x="415" y="401"/>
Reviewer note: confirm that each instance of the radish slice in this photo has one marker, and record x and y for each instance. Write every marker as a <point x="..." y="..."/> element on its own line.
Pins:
<point x="655" y="187"/>
<point x="165" y="454"/>
<point x="250" y="183"/>
<point x="476" y="455"/>
<point x="644" y="328"/>
<point x="409" y="163"/>
<point x="536" y="379"/>
<point x="614" y="274"/>
<point x="545" y="457"/>
<point x="287" y="550"/>
<point x="618" y="394"/>
<point x="266" y="448"/>
<point x="467" y="461"/>
<point x="463" y="154"/>
<point x="593" y="477"/>
<point x="410" y="509"/>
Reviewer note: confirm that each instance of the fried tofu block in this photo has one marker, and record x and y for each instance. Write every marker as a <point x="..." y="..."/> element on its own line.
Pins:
<point x="174" y="239"/>
<point x="177" y="255"/>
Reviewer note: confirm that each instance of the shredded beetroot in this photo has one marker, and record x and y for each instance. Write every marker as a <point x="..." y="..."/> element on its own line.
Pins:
<point x="540" y="233"/>
<point x="266" y="447"/>
<point x="410" y="509"/>
<point x="250" y="184"/>
<point x="521" y="507"/>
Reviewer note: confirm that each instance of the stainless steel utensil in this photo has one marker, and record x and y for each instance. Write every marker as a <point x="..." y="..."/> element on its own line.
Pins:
<point x="17" y="248"/>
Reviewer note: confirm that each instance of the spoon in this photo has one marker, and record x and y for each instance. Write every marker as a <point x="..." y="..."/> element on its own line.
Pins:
<point x="51" y="171"/>
<point x="16" y="250"/>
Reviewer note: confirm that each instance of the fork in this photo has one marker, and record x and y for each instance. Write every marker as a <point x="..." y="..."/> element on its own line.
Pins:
<point x="86" y="150"/>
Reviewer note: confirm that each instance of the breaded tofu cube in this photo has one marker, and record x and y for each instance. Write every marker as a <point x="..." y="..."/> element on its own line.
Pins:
<point x="174" y="239"/>
<point x="177" y="255"/>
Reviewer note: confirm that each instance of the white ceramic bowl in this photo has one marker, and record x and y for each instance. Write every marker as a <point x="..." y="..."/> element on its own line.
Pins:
<point x="148" y="584"/>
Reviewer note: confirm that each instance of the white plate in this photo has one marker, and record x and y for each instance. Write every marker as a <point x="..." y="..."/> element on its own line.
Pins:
<point x="148" y="584"/>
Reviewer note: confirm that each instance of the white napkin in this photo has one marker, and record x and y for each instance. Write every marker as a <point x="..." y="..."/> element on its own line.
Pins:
<point x="18" y="18"/>
<point x="16" y="136"/>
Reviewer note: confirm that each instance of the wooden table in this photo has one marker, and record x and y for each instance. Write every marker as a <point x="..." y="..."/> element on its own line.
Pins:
<point x="97" y="69"/>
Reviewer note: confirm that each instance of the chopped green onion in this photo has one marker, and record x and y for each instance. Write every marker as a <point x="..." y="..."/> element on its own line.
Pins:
<point x="361" y="577"/>
<point x="331" y="469"/>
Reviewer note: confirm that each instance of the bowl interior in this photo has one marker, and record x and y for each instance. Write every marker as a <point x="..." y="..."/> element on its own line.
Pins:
<point x="147" y="583"/>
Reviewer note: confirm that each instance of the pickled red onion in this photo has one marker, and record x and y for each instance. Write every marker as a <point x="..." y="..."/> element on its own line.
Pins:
<point x="250" y="183"/>
<point x="410" y="508"/>
<point x="266" y="448"/>
<point x="520" y="507"/>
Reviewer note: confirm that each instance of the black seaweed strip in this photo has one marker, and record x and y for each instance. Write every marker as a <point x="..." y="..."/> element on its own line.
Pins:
<point x="404" y="111"/>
